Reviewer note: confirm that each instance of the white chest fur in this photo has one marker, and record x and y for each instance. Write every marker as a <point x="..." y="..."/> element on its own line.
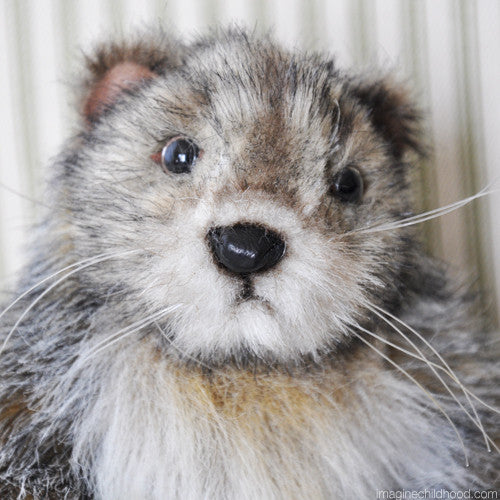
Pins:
<point x="159" y="432"/>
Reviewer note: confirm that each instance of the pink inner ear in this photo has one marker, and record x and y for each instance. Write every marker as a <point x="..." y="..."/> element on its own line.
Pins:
<point x="125" y="75"/>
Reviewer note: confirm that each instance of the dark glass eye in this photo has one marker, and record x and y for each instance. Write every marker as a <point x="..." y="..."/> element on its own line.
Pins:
<point x="179" y="155"/>
<point x="347" y="185"/>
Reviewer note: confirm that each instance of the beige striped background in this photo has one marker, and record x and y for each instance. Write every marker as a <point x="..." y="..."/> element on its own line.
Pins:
<point x="449" y="49"/>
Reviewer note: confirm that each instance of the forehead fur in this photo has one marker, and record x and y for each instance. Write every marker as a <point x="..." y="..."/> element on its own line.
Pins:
<point x="247" y="80"/>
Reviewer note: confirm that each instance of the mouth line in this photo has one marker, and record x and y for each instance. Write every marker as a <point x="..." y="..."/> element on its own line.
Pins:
<point x="247" y="292"/>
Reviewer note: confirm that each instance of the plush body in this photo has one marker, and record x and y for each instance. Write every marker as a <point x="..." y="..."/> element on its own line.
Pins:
<point x="146" y="369"/>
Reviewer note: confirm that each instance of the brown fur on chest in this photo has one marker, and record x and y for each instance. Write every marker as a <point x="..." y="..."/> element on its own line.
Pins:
<point x="289" y="399"/>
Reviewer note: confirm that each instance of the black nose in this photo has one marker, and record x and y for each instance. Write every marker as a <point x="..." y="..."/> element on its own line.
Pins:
<point x="246" y="248"/>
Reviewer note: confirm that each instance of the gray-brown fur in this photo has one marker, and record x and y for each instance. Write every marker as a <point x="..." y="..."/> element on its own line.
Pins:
<point x="275" y="128"/>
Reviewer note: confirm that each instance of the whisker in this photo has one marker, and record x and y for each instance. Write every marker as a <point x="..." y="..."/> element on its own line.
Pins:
<point x="400" y="348"/>
<point x="172" y="344"/>
<point x="450" y="207"/>
<point x="91" y="262"/>
<point x="433" y="366"/>
<point x="477" y="420"/>
<point x="420" y="386"/>
<point x="431" y="347"/>
<point x="23" y="196"/>
<point x="126" y="331"/>
<point x="78" y="364"/>
<point x="450" y="372"/>
<point x="47" y="278"/>
<point x="422" y="217"/>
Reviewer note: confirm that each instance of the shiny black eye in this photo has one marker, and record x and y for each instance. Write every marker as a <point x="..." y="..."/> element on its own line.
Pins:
<point x="179" y="155"/>
<point x="347" y="185"/>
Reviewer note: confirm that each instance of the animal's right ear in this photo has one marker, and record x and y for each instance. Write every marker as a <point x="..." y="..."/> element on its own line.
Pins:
<point x="120" y="67"/>
<point x="392" y="112"/>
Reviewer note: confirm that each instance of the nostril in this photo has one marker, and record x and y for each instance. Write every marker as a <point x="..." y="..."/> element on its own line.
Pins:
<point x="246" y="248"/>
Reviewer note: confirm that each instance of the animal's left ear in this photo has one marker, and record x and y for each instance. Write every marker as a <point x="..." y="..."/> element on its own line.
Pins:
<point x="125" y="75"/>
<point x="121" y="66"/>
<point x="392" y="113"/>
